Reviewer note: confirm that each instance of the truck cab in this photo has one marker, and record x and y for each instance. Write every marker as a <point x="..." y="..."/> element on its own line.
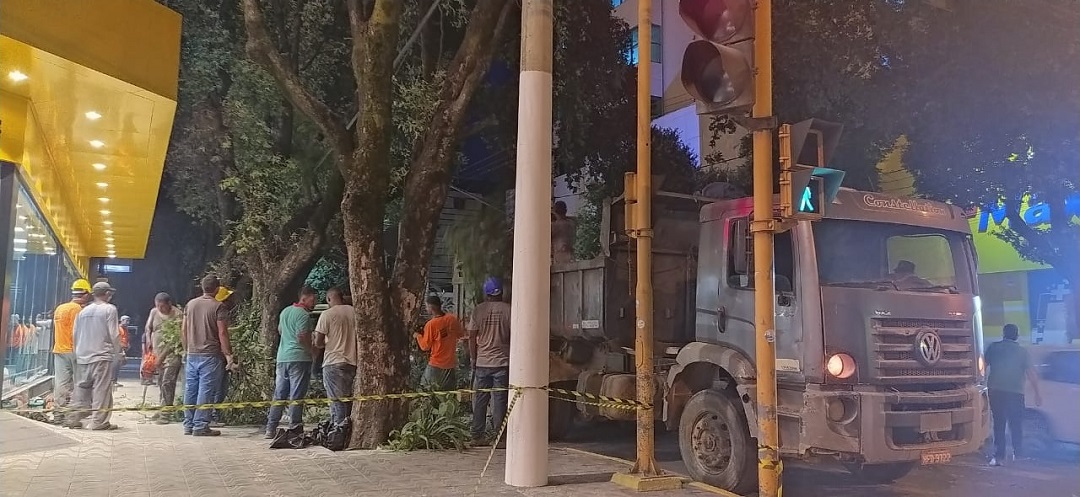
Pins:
<point x="878" y="341"/>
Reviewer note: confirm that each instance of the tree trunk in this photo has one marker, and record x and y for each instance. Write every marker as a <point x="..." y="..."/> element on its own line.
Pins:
<point x="384" y="363"/>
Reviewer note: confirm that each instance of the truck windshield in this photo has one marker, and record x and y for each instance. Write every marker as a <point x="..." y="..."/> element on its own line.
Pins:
<point x="892" y="257"/>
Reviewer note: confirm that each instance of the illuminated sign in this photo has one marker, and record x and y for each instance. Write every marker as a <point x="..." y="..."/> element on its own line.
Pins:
<point x="811" y="201"/>
<point x="1034" y="214"/>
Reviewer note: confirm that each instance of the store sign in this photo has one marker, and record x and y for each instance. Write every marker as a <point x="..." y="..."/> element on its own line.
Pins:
<point x="1032" y="214"/>
<point x="116" y="268"/>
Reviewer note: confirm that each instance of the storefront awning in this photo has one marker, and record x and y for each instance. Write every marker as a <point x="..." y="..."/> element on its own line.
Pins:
<point x="87" y="99"/>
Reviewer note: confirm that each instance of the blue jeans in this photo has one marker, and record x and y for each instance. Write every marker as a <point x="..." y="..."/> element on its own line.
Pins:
<point x="291" y="384"/>
<point x="338" y="379"/>
<point x="484" y="377"/>
<point x="202" y="378"/>
<point x="222" y="391"/>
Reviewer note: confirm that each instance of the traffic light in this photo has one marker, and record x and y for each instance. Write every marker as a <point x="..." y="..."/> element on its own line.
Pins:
<point x="718" y="70"/>
<point x="807" y="186"/>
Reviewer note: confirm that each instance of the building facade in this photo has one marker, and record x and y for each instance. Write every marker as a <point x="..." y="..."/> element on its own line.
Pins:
<point x="87" y="99"/>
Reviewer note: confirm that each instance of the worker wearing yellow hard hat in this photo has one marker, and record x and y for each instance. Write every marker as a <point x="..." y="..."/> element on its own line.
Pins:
<point x="64" y="346"/>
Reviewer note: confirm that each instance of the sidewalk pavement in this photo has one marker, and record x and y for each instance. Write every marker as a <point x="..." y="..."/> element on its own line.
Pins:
<point x="144" y="459"/>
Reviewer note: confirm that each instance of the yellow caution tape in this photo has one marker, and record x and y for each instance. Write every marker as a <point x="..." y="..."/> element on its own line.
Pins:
<point x="580" y="397"/>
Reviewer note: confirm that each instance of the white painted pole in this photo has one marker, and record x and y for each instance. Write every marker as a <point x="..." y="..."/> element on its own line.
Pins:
<point x="527" y="433"/>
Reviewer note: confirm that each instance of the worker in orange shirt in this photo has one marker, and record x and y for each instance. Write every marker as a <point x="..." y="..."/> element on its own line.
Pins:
<point x="64" y="343"/>
<point x="440" y="336"/>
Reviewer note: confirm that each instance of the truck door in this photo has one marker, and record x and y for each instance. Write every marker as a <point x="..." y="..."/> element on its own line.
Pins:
<point x="735" y="313"/>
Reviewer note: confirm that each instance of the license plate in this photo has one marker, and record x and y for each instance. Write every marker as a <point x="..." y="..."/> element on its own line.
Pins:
<point x="936" y="457"/>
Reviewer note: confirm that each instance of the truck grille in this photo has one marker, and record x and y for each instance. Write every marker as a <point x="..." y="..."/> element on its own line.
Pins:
<point x="895" y="353"/>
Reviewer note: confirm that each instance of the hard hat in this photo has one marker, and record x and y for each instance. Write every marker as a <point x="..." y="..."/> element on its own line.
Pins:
<point x="222" y="294"/>
<point x="80" y="286"/>
<point x="493" y="287"/>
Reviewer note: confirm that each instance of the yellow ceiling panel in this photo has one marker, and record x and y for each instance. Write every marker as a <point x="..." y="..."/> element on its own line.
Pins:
<point x="87" y="107"/>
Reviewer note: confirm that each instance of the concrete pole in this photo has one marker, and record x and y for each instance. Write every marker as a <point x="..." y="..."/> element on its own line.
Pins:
<point x="527" y="434"/>
<point x="645" y="463"/>
<point x="769" y="466"/>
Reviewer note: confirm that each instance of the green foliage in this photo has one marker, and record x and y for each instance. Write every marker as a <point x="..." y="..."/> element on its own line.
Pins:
<point x="482" y="245"/>
<point x="433" y="425"/>
<point x="170" y="336"/>
<point x="328" y="273"/>
<point x="589" y="219"/>
<point x="254" y="377"/>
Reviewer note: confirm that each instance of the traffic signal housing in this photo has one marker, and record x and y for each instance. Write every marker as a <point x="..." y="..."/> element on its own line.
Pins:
<point x="718" y="70"/>
<point x="807" y="185"/>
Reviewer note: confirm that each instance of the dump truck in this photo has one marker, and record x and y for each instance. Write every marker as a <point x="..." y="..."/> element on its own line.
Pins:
<point x="878" y="334"/>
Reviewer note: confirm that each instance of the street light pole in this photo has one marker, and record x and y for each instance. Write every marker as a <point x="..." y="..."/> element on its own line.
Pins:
<point x="527" y="433"/>
<point x="769" y="465"/>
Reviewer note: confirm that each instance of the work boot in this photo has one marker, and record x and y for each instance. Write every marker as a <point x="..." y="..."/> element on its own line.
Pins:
<point x="206" y="433"/>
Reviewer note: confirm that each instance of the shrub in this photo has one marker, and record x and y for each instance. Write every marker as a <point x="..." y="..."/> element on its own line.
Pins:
<point x="434" y="424"/>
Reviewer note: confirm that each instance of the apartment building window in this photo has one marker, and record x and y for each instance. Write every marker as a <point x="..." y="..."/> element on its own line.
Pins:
<point x="657" y="45"/>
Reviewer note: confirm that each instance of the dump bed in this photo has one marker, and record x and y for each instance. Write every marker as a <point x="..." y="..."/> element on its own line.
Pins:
<point x="594" y="299"/>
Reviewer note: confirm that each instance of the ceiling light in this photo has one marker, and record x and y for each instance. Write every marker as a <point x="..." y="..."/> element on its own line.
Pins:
<point x="20" y="240"/>
<point x="93" y="115"/>
<point x="109" y="239"/>
<point x="20" y="249"/>
<point x="108" y="232"/>
<point x="102" y="184"/>
<point x="99" y="166"/>
<point x="110" y="246"/>
<point x="107" y="223"/>
<point x="97" y="143"/>
<point x="105" y="212"/>
<point x="19" y="229"/>
<point x="103" y="200"/>
<point x="22" y="218"/>
<point x="17" y="76"/>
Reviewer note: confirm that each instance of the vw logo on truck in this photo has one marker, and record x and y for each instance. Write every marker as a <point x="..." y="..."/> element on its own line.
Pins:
<point x="928" y="347"/>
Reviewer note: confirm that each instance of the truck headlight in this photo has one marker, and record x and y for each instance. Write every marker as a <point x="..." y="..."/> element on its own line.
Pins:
<point x="841" y="366"/>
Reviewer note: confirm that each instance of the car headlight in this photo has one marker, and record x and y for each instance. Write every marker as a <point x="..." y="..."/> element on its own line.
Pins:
<point x="841" y="366"/>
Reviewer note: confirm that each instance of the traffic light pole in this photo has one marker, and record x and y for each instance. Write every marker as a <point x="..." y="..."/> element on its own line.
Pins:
<point x="645" y="463"/>
<point x="769" y="465"/>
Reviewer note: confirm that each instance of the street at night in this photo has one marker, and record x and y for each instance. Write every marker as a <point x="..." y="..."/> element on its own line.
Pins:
<point x="968" y="476"/>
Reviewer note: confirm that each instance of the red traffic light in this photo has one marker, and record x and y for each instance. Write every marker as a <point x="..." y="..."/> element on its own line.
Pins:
<point x="718" y="76"/>
<point x="718" y="21"/>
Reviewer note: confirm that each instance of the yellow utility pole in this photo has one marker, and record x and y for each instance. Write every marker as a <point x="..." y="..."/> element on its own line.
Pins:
<point x="646" y="474"/>
<point x="645" y="464"/>
<point x="769" y="465"/>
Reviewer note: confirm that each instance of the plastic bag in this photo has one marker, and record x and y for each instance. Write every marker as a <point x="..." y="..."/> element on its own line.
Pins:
<point x="293" y="438"/>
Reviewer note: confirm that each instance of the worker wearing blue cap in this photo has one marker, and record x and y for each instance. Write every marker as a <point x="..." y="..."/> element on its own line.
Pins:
<point x="489" y="349"/>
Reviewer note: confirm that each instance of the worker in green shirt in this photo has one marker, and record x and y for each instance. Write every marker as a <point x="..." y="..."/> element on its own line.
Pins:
<point x="293" y="361"/>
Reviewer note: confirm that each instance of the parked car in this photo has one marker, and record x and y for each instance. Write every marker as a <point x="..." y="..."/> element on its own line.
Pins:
<point x="1058" y="419"/>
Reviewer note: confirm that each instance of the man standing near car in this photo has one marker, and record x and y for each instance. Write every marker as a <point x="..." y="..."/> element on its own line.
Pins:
<point x="336" y="333"/>
<point x="1009" y="365"/>
<point x="489" y="349"/>
<point x="205" y="335"/>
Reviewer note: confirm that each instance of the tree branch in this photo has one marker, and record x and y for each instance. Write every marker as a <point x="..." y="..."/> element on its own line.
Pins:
<point x="432" y="159"/>
<point x="261" y="49"/>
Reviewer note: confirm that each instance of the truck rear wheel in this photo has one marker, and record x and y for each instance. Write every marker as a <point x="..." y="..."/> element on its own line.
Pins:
<point x="880" y="473"/>
<point x="715" y="442"/>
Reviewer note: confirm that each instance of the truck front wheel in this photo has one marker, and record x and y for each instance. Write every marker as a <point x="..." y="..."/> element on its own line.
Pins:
<point x="715" y="442"/>
<point x="880" y="473"/>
